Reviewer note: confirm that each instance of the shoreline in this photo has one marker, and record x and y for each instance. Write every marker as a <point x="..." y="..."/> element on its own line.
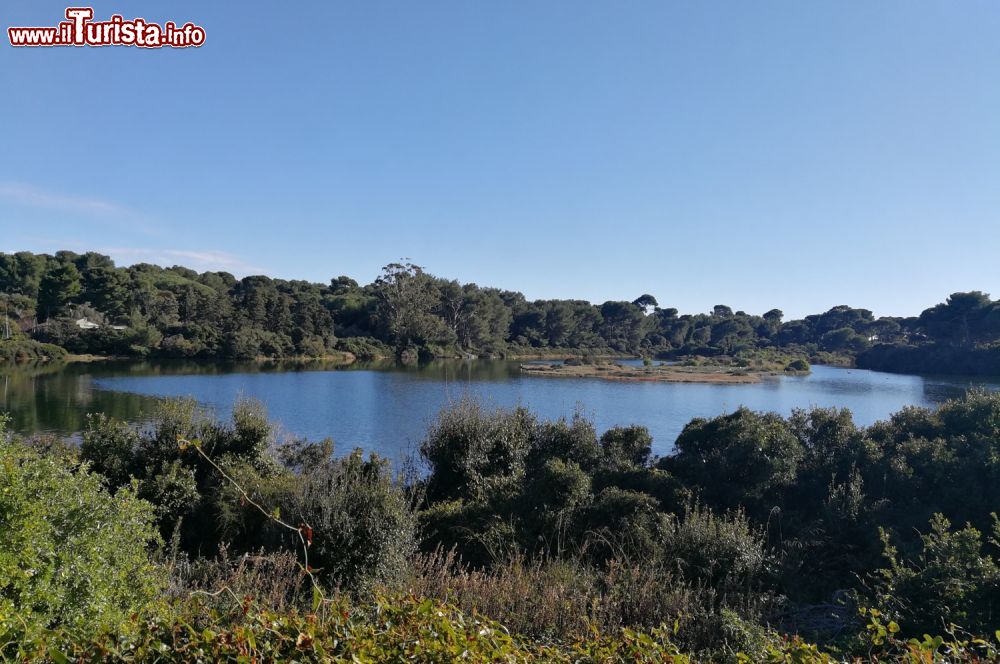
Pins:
<point x="565" y="355"/>
<point x="343" y="357"/>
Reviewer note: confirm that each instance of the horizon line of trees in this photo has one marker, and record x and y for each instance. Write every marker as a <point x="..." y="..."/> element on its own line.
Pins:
<point x="146" y="309"/>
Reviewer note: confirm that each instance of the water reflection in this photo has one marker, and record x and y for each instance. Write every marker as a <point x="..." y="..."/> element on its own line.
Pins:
<point x="386" y="408"/>
<point x="57" y="398"/>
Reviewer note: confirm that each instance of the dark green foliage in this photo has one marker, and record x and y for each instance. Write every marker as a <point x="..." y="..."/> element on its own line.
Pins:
<point x="407" y="298"/>
<point x="797" y="502"/>
<point x="949" y="578"/>
<point x="507" y="479"/>
<point x="798" y="365"/>
<point x="574" y="440"/>
<point x="935" y="357"/>
<point x="959" y="336"/>
<point x="409" y="313"/>
<point x="621" y="521"/>
<point x="58" y="288"/>
<point x="363" y="528"/>
<point x="669" y="493"/>
<point x="474" y="453"/>
<point x="646" y="300"/>
<point x="110" y="446"/>
<point x="476" y="530"/>
<point x="563" y="494"/>
<point x="173" y="312"/>
<point x="626" y="447"/>
<point x="365" y="348"/>
<point x="183" y="488"/>
<point x="843" y="339"/>
<point x="744" y="459"/>
<point x="724" y="552"/>
<point x="364" y="531"/>
<point x="28" y="350"/>
<point x="555" y="487"/>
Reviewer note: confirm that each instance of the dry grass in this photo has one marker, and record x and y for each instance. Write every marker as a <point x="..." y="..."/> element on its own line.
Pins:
<point x="564" y="599"/>
<point x="553" y="600"/>
<point x="273" y="580"/>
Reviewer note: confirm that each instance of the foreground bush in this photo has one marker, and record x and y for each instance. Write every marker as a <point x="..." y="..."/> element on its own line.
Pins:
<point x="398" y="630"/>
<point x="361" y="523"/>
<point x="71" y="554"/>
<point x="362" y="526"/>
<point x="756" y="526"/>
<point x="951" y="576"/>
<point x="409" y="629"/>
<point x="179" y="482"/>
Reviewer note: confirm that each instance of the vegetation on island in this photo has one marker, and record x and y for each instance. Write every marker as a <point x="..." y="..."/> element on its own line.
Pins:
<point x="760" y="538"/>
<point x="84" y="304"/>
<point x="721" y="369"/>
<point x="646" y="374"/>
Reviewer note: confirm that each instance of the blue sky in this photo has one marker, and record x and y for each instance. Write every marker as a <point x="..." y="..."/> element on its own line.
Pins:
<point x="759" y="154"/>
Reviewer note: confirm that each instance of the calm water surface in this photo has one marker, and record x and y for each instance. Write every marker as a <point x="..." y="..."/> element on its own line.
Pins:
<point x="387" y="408"/>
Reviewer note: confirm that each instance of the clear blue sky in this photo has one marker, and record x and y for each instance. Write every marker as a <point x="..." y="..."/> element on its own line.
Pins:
<point x="759" y="154"/>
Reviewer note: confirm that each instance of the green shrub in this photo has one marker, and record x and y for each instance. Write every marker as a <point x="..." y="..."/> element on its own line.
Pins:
<point x="724" y="552"/>
<point x="622" y="522"/>
<point x="626" y="447"/>
<point x="950" y="580"/>
<point x="738" y="636"/>
<point x="364" y="529"/>
<point x="71" y="554"/>
<point x="570" y="440"/>
<point x="110" y="445"/>
<point x="472" y="451"/>
<point x="183" y="488"/>
<point x="554" y="493"/>
<point x="365" y="348"/>
<point x="26" y="350"/>
<point x="797" y="365"/>
<point x="744" y="459"/>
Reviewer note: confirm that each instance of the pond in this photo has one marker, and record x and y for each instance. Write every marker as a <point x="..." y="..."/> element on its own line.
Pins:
<point x="386" y="408"/>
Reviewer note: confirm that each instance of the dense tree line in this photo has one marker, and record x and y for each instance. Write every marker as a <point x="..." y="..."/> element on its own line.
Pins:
<point x="961" y="335"/>
<point x="176" y="312"/>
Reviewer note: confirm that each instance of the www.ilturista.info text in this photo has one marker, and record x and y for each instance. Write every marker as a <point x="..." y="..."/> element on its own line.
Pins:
<point x="81" y="30"/>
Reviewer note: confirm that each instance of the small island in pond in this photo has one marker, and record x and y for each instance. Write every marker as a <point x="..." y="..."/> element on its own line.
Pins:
<point x="693" y="370"/>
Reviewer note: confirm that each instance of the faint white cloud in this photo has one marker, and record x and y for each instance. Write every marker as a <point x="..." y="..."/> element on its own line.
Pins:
<point x="24" y="194"/>
<point x="205" y="260"/>
<point x="105" y="211"/>
<point x="209" y="260"/>
<point x="125" y="218"/>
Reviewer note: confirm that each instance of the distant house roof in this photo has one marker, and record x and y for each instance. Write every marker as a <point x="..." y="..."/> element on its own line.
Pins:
<point x="85" y="324"/>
